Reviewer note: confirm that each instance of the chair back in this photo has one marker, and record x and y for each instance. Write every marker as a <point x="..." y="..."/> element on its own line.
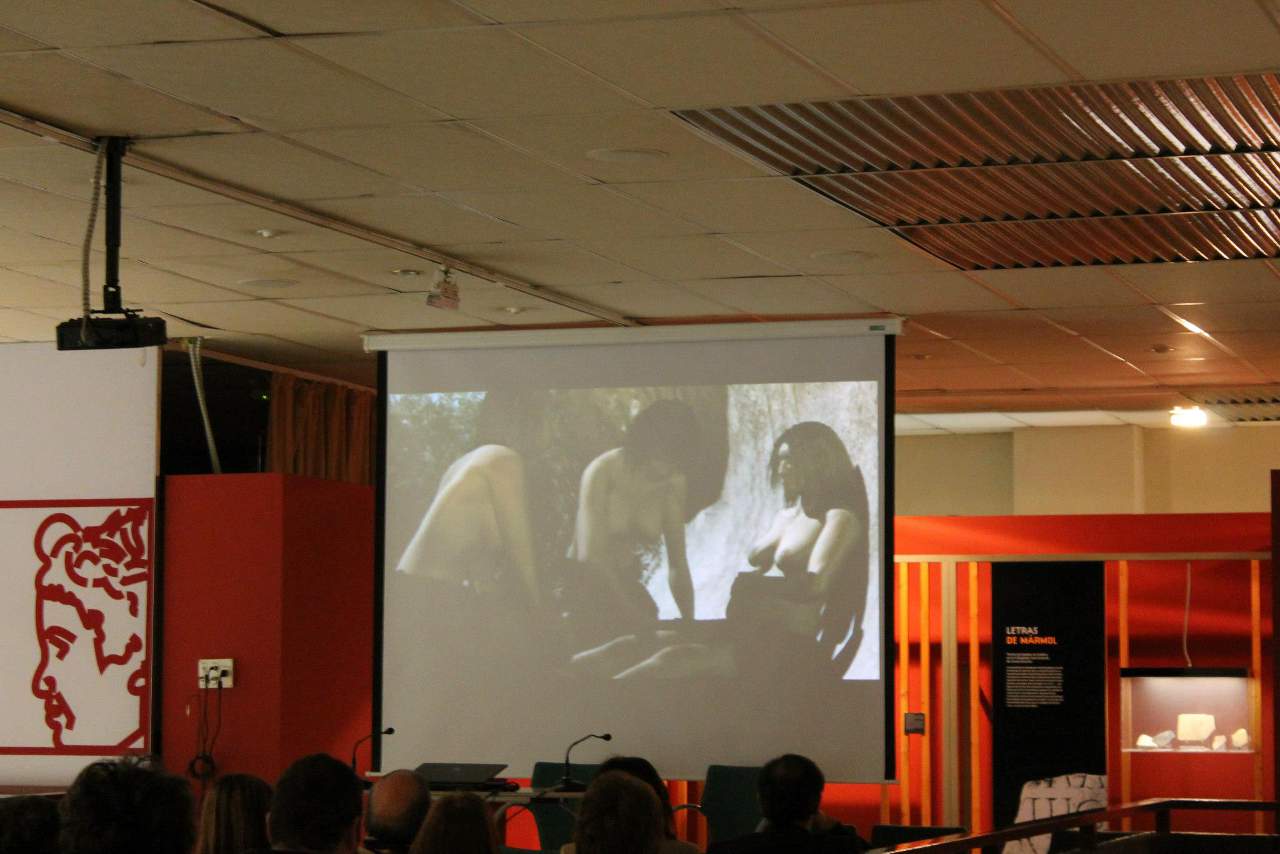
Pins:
<point x="555" y="821"/>
<point x="729" y="801"/>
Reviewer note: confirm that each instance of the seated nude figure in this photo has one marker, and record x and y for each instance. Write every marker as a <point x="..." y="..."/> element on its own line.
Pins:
<point x="801" y="604"/>
<point x="632" y="499"/>
<point x="475" y="540"/>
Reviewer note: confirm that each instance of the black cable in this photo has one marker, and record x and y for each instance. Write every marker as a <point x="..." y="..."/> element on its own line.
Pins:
<point x="202" y="766"/>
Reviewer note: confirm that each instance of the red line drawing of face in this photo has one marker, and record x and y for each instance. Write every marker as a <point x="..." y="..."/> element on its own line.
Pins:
<point x="91" y="595"/>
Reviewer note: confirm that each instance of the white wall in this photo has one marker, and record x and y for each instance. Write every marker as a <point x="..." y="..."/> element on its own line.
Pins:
<point x="1123" y="469"/>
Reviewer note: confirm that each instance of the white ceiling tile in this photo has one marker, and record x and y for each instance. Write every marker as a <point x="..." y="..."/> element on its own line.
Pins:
<point x="268" y="276"/>
<point x="511" y="308"/>
<point x="426" y="220"/>
<point x="20" y="290"/>
<point x="238" y="224"/>
<point x="388" y="311"/>
<point x="545" y="262"/>
<point x="1144" y="38"/>
<point x="106" y="22"/>
<point x="372" y="264"/>
<point x="269" y="165"/>
<point x="11" y="41"/>
<point x="22" y="325"/>
<point x="69" y="172"/>
<point x="779" y="295"/>
<point x="1215" y="281"/>
<point x="523" y="11"/>
<point x="914" y="48"/>
<point x="142" y="239"/>
<point x="344" y="16"/>
<point x="1233" y="317"/>
<point x="14" y="138"/>
<point x="140" y="284"/>
<point x="744" y="206"/>
<point x="271" y="349"/>
<point x="637" y="145"/>
<point x="647" y="299"/>
<point x="1144" y="418"/>
<point x="1079" y="418"/>
<point x="917" y="293"/>
<point x="691" y="257"/>
<point x="1062" y="287"/>
<point x="909" y="425"/>
<point x="440" y="156"/>
<point x="260" y="317"/>
<point x="88" y="100"/>
<point x="842" y="251"/>
<point x="576" y="212"/>
<point x="16" y="248"/>
<point x="688" y="61"/>
<point x="472" y="72"/>
<point x="267" y="83"/>
<point x="968" y="422"/>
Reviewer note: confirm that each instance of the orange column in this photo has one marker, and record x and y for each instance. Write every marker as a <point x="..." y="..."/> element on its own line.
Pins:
<point x="904" y="690"/>
<point x="975" y="705"/>
<point x="926" y="689"/>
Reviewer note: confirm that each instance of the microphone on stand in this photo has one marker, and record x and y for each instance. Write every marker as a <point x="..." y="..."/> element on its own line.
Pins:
<point x="388" y="731"/>
<point x="567" y="783"/>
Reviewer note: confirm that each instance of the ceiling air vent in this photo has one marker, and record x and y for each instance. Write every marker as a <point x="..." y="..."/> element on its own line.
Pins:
<point x="1088" y="173"/>
<point x="1253" y="405"/>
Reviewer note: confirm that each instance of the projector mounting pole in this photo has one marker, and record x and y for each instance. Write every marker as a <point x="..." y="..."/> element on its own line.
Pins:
<point x="111" y="302"/>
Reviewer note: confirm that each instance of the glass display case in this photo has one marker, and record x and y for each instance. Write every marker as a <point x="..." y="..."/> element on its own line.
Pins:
<point x="1191" y="710"/>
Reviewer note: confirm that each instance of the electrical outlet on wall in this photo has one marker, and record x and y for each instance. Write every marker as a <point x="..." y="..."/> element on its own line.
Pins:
<point x="210" y="672"/>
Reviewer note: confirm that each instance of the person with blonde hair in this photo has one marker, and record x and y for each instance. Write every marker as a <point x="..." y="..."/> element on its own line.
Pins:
<point x="233" y="818"/>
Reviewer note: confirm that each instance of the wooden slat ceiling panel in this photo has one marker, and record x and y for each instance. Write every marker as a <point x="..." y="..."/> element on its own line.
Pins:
<point x="1113" y="173"/>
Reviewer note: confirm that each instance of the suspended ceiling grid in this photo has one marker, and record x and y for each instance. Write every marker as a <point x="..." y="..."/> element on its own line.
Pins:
<point x="490" y="130"/>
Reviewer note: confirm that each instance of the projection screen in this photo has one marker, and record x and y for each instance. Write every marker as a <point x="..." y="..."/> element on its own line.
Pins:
<point x="674" y="535"/>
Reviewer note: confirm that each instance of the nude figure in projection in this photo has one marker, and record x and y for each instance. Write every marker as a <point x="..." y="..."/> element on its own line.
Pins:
<point x="475" y="542"/>
<point x="92" y="590"/>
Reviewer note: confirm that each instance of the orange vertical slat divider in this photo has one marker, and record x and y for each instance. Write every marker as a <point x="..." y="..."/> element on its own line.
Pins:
<point x="1255" y="685"/>
<point x="904" y="686"/>
<point x="926" y="688"/>
<point x="1126" y="699"/>
<point x="975" y="705"/>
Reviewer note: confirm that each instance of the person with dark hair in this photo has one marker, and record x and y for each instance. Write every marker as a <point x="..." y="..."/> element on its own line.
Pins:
<point x="790" y="792"/>
<point x="233" y="819"/>
<point x="642" y="769"/>
<point x="28" y="825"/>
<point x="634" y="498"/>
<point x="818" y="541"/>
<point x="398" y="804"/>
<point x="620" y="815"/>
<point x="475" y="538"/>
<point x="126" y="806"/>
<point x="459" y="823"/>
<point x="316" y="807"/>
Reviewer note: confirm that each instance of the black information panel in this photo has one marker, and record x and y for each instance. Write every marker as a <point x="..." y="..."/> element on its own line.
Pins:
<point x="1049" y="668"/>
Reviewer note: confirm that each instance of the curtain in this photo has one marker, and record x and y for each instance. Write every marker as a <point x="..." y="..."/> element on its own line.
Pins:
<point x="320" y="429"/>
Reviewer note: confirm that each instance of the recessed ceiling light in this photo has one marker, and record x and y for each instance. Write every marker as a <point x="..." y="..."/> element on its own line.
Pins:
<point x="1161" y="349"/>
<point x="515" y="309"/>
<point x="840" y="256"/>
<point x="267" y="283"/>
<point x="626" y="155"/>
<point x="406" y="272"/>
<point x="1192" y="416"/>
<point x="267" y="233"/>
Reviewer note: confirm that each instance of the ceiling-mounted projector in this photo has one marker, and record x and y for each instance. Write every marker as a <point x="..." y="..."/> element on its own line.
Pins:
<point x="113" y="326"/>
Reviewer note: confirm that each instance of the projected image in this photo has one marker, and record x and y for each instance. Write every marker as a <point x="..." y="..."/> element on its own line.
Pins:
<point x="695" y="532"/>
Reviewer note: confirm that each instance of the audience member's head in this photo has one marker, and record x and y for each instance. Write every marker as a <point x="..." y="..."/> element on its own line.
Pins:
<point x="642" y="769"/>
<point x="620" y="815"/>
<point x="457" y="824"/>
<point x="29" y="825"/>
<point x="790" y="789"/>
<point x="233" y="819"/>
<point x="127" y="807"/>
<point x="316" y="807"/>
<point x="398" y="804"/>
